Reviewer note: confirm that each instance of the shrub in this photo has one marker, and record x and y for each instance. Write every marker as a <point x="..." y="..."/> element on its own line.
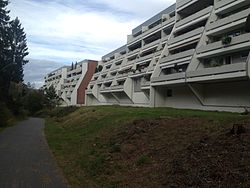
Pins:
<point x="5" y="115"/>
<point x="144" y="159"/>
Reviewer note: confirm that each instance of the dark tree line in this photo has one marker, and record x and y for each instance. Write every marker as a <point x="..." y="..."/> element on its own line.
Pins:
<point x="17" y="98"/>
<point x="13" y="50"/>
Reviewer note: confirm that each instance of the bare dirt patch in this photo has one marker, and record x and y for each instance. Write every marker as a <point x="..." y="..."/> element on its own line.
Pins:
<point x="174" y="152"/>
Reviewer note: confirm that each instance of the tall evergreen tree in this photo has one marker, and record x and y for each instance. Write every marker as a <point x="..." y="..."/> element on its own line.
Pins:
<point x="4" y="24"/>
<point x="13" y="50"/>
<point x="51" y="98"/>
<point x="18" y="50"/>
<point x="4" y="46"/>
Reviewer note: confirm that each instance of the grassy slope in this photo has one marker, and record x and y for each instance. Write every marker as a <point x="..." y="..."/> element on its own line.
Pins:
<point x="81" y="140"/>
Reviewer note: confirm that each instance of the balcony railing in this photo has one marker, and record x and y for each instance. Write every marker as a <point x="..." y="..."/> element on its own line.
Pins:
<point x="158" y="53"/>
<point x="165" y="39"/>
<point x="170" y="77"/>
<point x="109" y="89"/>
<point x="154" y="43"/>
<point x="223" y="3"/>
<point x="147" y="57"/>
<point x="116" y="67"/>
<point x="178" y="56"/>
<point x="236" y="67"/>
<point x="132" y="53"/>
<point x="169" y="21"/>
<point x="145" y="83"/>
<point x="182" y="3"/>
<point x="150" y="31"/>
<point x="128" y="64"/>
<point x="217" y="48"/>
<point x="194" y="18"/>
<point x="238" y="18"/>
<point x="185" y="36"/>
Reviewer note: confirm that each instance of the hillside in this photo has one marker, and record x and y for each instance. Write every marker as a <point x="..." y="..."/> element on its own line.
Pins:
<point x="142" y="147"/>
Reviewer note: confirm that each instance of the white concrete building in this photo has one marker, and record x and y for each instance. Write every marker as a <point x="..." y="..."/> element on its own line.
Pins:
<point x="194" y="55"/>
<point x="70" y="82"/>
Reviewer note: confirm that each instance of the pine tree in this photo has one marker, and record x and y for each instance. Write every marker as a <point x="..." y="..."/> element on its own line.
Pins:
<point x="4" y="24"/>
<point x="51" y="98"/>
<point x="13" y="50"/>
<point x="4" y="46"/>
<point x="18" y="50"/>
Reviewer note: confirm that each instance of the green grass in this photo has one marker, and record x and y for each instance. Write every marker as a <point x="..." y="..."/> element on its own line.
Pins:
<point x="76" y="138"/>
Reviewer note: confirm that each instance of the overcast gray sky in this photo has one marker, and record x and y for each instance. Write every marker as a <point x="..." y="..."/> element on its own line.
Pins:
<point x="62" y="31"/>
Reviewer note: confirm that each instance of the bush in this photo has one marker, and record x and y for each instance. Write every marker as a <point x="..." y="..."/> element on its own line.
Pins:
<point x="5" y="115"/>
<point x="144" y="159"/>
<point x="34" y="101"/>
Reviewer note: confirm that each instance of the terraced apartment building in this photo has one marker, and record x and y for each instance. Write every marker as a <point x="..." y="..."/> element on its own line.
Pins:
<point x="70" y="82"/>
<point x="194" y="55"/>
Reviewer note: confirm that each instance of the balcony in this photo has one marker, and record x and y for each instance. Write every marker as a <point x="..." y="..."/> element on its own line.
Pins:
<point x="234" y="21"/>
<point x="152" y="44"/>
<point x="120" y="58"/>
<point x="100" y="80"/>
<point x="221" y="72"/>
<point x="158" y="53"/>
<point x="170" y="79"/>
<point x="139" y="73"/>
<point x="110" y="78"/>
<point x="182" y="56"/>
<point x="224" y="6"/>
<point x="77" y="70"/>
<point x="238" y="43"/>
<point x="164" y="39"/>
<point x="133" y="53"/>
<point x="168" y="22"/>
<point x="128" y="64"/>
<point x="152" y="30"/>
<point x="145" y="58"/>
<point x="116" y="67"/>
<point x="187" y="37"/>
<point x="150" y="68"/>
<point x="110" y="89"/>
<point x="68" y="95"/>
<point x="125" y="75"/>
<point x="145" y="84"/>
<point x="194" y="18"/>
<point x="92" y="82"/>
<point x="89" y="91"/>
<point x="131" y="39"/>
<point x="181" y="4"/>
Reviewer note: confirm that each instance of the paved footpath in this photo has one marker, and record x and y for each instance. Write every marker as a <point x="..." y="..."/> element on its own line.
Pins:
<point x="25" y="159"/>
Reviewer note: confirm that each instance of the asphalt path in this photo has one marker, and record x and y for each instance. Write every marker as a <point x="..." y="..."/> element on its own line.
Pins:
<point x="25" y="158"/>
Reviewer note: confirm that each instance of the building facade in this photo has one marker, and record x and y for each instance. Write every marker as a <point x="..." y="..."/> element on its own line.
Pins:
<point x="194" y="54"/>
<point x="70" y="82"/>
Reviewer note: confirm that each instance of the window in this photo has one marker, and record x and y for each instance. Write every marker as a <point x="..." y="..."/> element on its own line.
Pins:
<point x="169" y="93"/>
